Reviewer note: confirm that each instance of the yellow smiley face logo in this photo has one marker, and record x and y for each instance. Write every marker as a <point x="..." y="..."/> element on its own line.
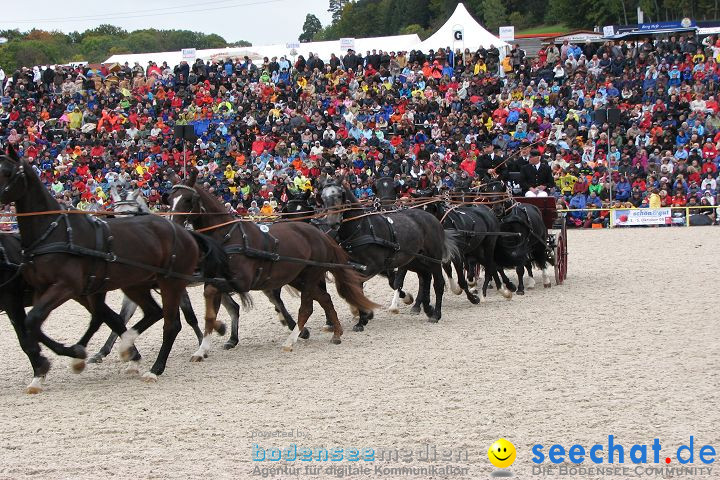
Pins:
<point x="501" y="453"/>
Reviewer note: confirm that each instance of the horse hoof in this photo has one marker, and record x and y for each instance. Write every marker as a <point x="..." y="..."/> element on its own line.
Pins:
<point x="77" y="365"/>
<point x="149" y="377"/>
<point x="530" y="283"/>
<point x="287" y="348"/>
<point x="358" y="328"/>
<point x="230" y="344"/>
<point x="133" y="368"/>
<point x="97" y="358"/>
<point x="196" y="358"/>
<point x="506" y="293"/>
<point x="483" y="299"/>
<point x="520" y="292"/>
<point x="433" y="319"/>
<point x="408" y="299"/>
<point x="327" y="328"/>
<point x="35" y="386"/>
<point x="336" y="341"/>
<point x="305" y="334"/>
<point x="220" y="328"/>
<point x="547" y="285"/>
<point x="394" y="310"/>
<point x="127" y="341"/>
<point x="474" y="299"/>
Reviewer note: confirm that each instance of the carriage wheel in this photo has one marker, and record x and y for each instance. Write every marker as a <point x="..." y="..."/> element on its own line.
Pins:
<point x="561" y="255"/>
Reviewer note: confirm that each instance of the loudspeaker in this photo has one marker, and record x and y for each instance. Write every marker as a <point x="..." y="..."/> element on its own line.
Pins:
<point x="186" y="132"/>
<point x="613" y="116"/>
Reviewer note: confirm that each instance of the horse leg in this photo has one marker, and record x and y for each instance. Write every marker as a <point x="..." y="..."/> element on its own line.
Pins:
<point x="364" y="317"/>
<point x="306" y="309"/>
<point x="520" y="269"/>
<point x="399" y="281"/>
<point x="170" y="291"/>
<point x="426" y="283"/>
<point x="530" y="280"/>
<point x="415" y="309"/>
<point x="462" y="283"/>
<point x="16" y="312"/>
<point x="126" y="312"/>
<point x="43" y="304"/>
<point x="212" y="305"/>
<point x="447" y="269"/>
<point x="507" y="284"/>
<point x="99" y="310"/>
<point x="189" y="314"/>
<point x="439" y="287"/>
<point x="282" y="312"/>
<point x="151" y="314"/>
<point x="233" y="309"/>
<point x="325" y="301"/>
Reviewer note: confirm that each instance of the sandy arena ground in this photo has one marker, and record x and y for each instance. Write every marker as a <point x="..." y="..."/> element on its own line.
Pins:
<point x="629" y="346"/>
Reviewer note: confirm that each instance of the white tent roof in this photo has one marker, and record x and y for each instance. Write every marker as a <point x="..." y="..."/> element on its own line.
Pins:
<point x="323" y="49"/>
<point x="474" y="35"/>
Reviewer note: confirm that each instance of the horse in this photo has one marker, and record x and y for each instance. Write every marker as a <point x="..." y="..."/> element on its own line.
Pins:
<point x="298" y="207"/>
<point x="409" y="238"/>
<point x="477" y="230"/>
<point x="81" y="257"/>
<point x="529" y="245"/>
<point x="267" y="257"/>
<point x="133" y="203"/>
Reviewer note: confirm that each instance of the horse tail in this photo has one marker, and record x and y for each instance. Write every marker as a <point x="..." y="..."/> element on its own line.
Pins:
<point x="215" y="267"/>
<point x="451" y="249"/>
<point x="348" y="282"/>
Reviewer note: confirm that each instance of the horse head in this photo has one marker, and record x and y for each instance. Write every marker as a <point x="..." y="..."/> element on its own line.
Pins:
<point x="184" y="198"/>
<point x="333" y="195"/>
<point x="13" y="182"/>
<point x="498" y="196"/>
<point x="133" y="203"/>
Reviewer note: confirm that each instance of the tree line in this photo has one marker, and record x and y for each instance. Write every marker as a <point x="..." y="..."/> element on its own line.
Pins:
<point x="369" y="18"/>
<point x="40" y="47"/>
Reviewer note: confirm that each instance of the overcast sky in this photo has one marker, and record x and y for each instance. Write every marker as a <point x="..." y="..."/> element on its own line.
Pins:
<point x="258" y="21"/>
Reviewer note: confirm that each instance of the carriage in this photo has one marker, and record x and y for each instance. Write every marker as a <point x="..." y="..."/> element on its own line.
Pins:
<point x="557" y="241"/>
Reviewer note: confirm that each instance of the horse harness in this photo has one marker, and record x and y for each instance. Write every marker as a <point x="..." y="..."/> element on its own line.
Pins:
<point x="103" y="251"/>
<point x="359" y="238"/>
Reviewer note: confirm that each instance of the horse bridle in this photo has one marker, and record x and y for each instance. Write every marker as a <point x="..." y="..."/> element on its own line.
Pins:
<point x="18" y="174"/>
<point x="196" y="206"/>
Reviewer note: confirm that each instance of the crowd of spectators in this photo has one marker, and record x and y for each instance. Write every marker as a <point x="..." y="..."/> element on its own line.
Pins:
<point x="437" y="120"/>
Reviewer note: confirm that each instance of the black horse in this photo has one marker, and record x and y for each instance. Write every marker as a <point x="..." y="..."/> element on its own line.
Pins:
<point x="409" y="238"/>
<point x="530" y="245"/>
<point x="477" y="231"/>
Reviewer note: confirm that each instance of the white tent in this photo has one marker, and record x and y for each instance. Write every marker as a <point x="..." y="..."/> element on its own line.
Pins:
<point x="323" y="49"/>
<point x="462" y="31"/>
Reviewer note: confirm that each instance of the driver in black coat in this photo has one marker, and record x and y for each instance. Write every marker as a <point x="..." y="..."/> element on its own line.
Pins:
<point x="536" y="178"/>
<point x="491" y="164"/>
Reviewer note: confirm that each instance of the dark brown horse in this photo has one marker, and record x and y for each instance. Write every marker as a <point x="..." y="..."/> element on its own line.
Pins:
<point x="266" y="258"/>
<point x="81" y="257"/>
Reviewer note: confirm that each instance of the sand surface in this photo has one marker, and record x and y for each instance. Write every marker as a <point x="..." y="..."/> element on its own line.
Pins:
<point x="628" y="346"/>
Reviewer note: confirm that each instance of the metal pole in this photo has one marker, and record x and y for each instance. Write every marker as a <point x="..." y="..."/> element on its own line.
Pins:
<point x="184" y="158"/>
<point x="610" y="198"/>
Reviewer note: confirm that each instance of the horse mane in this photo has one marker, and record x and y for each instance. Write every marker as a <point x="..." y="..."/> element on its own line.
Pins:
<point x="210" y="202"/>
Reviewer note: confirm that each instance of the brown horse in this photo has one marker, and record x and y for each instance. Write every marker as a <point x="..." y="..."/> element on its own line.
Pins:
<point x="81" y="257"/>
<point x="268" y="257"/>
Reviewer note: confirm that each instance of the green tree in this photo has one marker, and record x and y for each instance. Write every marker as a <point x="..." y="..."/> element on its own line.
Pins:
<point x="240" y="44"/>
<point x="311" y="27"/>
<point x="336" y="9"/>
<point x="494" y="14"/>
